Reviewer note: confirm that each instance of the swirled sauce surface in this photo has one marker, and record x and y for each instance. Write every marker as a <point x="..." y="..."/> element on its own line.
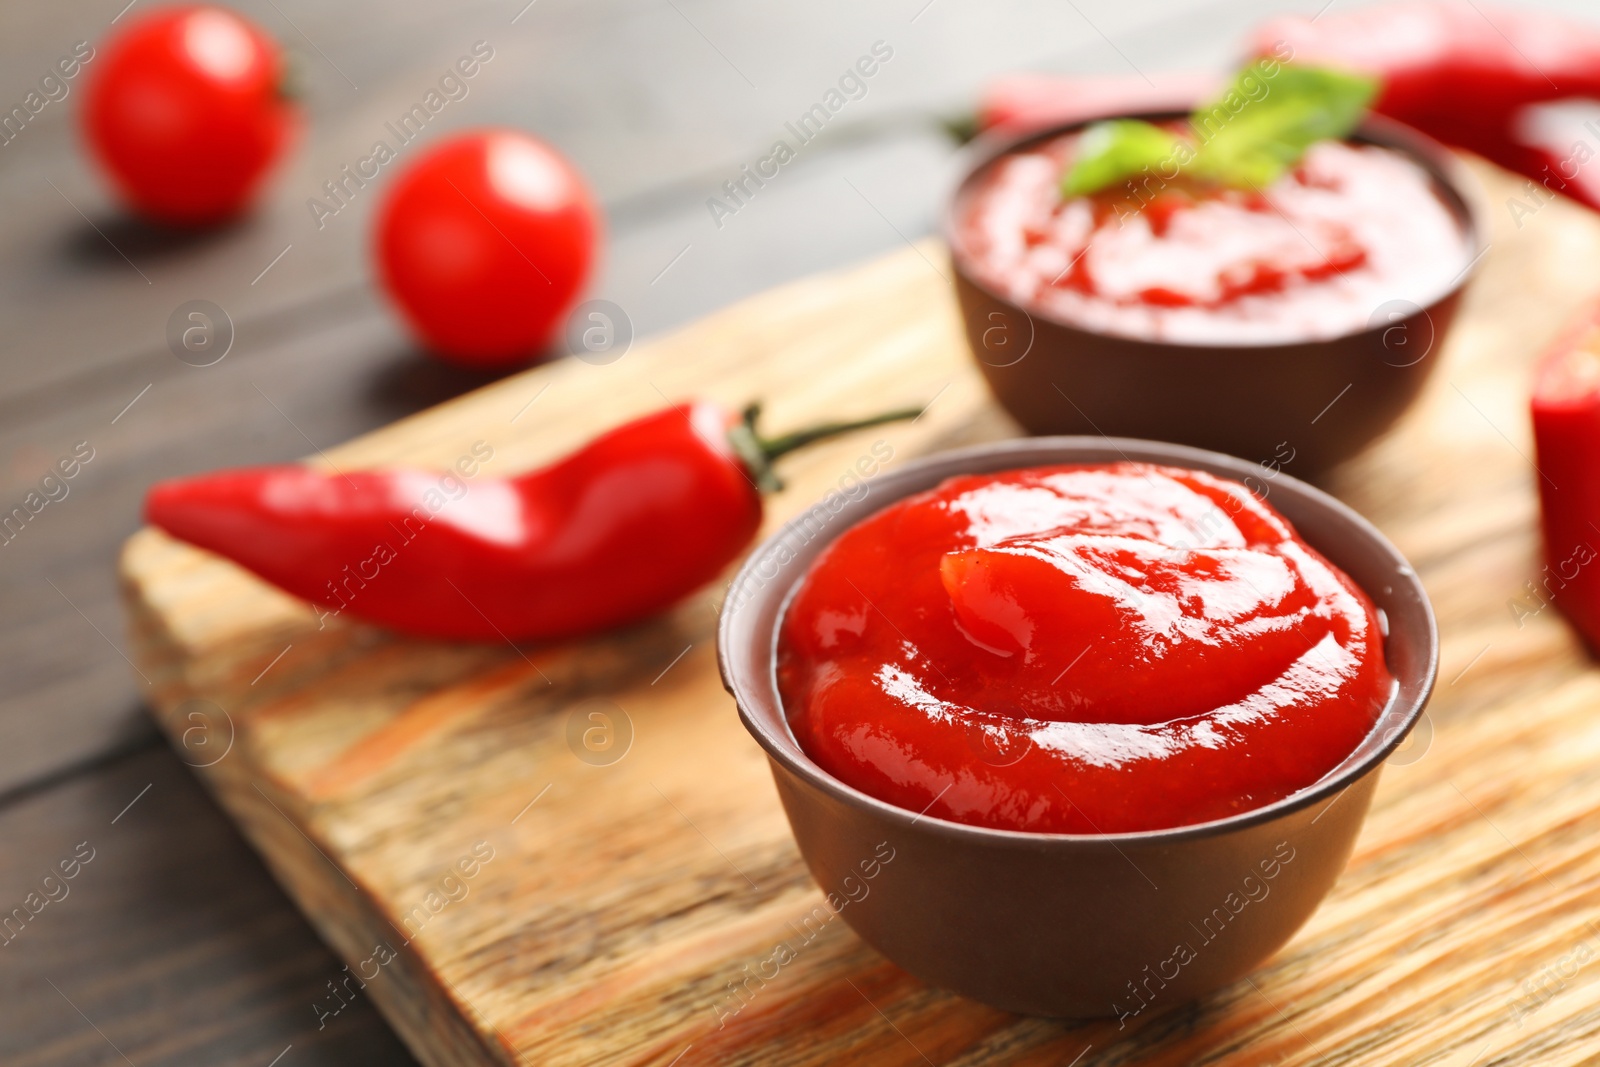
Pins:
<point x="1349" y="231"/>
<point x="1080" y="649"/>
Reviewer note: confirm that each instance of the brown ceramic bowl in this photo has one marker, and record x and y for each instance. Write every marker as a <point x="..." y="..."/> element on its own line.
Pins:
<point x="1061" y="924"/>
<point x="1258" y="401"/>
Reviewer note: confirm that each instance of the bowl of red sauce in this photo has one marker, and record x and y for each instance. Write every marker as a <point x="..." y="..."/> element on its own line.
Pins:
<point x="1077" y="726"/>
<point x="1296" y="320"/>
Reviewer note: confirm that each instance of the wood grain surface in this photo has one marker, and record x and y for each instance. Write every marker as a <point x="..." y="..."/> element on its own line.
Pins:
<point x="633" y="91"/>
<point x="614" y="898"/>
<point x="172" y="945"/>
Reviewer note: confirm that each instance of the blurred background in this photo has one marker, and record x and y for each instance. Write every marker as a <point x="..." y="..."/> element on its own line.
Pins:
<point x="175" y="946"/>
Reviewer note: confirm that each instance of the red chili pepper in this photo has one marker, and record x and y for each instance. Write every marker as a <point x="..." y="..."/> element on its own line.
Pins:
<point x="1027" y="101"/>
<point x="1467" y="74"/>
<point x="1566" y="433"/>
<point x="615" y="532"/>
<point x="1463" y="73"/>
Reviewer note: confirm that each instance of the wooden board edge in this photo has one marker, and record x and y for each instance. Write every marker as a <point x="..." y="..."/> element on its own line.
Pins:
<point x="344" y="914"/>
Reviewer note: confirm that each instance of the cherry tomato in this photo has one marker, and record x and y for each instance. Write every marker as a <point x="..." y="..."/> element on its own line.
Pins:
<point x="485" y="243"/>
<point x="185" y="112"/>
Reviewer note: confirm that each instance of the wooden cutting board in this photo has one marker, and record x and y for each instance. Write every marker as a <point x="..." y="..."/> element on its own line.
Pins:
<point x="572" y="854"/>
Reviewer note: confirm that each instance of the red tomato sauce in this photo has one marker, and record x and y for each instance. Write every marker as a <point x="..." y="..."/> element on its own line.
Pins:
<point x="1080" y="649"/>
<point x="1313" y="256"/>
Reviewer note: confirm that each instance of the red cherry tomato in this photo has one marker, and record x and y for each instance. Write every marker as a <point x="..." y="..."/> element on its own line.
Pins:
<point x="485" y="243"/>
<point x="185" y="112"/>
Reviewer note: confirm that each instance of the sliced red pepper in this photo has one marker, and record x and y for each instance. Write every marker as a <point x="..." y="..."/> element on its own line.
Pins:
<point x="1566" y="434"/>
<point x="615" y="532"/>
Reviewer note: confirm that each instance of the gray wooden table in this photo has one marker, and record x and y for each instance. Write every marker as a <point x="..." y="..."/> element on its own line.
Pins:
<point x="173" y="945"/>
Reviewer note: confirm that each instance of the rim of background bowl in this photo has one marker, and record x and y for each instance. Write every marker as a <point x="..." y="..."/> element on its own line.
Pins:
<point x="1454" y="183"/>
<point x="1399" y="715"/>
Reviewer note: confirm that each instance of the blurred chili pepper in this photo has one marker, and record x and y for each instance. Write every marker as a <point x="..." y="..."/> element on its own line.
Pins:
<point x="1566" y="432"/>
<point x="1028" y="101"/>
<point x="1461" y="73"/>
<point x="1466" y="74"/>
<point x="615" y="532"/>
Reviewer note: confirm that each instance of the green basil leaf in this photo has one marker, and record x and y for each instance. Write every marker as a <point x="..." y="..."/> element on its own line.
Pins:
<point x="1109" y="152"/>
<point x="1264" y="123"/>
<point x="1260" y="126"/>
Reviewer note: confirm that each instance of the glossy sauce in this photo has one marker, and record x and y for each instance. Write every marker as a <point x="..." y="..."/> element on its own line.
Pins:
<point x="1083" y="649"/>
<point x="1315" y="255"/>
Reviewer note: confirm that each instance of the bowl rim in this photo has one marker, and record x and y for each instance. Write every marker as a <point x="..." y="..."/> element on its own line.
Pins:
<point x="1397" y="717"/>
<point x="1457" y="186"/>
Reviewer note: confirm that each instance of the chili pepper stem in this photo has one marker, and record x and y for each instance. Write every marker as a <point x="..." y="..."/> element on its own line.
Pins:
<point x="759" y="453"/>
